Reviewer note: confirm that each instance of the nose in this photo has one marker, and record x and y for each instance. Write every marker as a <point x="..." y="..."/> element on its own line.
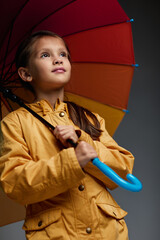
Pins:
<point x="57" y="61"/>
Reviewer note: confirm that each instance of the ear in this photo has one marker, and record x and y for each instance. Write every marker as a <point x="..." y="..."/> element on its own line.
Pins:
<point x="24" y="74"/>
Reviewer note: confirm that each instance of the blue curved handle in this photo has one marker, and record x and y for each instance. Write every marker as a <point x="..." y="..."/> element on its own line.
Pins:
<point x="134" y="186"/>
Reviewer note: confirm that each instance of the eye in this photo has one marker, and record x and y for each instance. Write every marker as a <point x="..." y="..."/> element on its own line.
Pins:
<point x="63" y="54"/>
<point x="44" y="55"/>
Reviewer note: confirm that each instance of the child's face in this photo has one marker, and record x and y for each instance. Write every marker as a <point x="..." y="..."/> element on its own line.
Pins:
<point x="49" y="65"/>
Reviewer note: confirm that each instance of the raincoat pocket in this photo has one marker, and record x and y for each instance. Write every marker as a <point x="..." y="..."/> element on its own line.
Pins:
<point x="36" y="226"/>
<point x="112" y="211"/>
<point x="111" y="220"/>
<point x="42" y="220"/>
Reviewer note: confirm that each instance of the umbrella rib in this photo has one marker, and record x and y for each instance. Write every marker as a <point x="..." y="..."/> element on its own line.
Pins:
<point x="94" y="62"/>
<point x="124" y="64"/>
<point x="39" y="23"/>
<point x="97" y="63"/>
<point x="88" y="29"/>
<point x="50" y="15"/>
<point x="15" y="19"/>
<point x="0" y="109"/>
<point x="11" y="109"/>
<point x="7" y="104"/>
<point x="11" y="75"/>
<point x="7" y="72"/>
<point x="5" y="57"/>
<point x="15" y="87"/>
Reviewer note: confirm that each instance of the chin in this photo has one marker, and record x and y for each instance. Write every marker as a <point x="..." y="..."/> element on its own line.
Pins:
<point x="56" y="86"/>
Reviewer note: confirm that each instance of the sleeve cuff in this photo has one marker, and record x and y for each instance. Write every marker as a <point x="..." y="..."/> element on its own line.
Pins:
<point x="73" y="164"/>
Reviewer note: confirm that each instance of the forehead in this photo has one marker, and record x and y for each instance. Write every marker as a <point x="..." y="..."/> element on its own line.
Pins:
<point x="48" y="42"/>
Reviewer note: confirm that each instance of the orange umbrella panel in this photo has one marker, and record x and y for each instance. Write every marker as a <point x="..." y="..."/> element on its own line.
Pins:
<point x="106" y="83"/>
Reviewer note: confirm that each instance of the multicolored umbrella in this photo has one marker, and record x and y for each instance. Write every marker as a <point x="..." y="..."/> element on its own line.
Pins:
<point x="99" y="36"/>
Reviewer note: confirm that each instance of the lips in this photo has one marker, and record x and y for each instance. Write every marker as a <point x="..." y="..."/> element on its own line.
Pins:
<point x="59" y="70"/>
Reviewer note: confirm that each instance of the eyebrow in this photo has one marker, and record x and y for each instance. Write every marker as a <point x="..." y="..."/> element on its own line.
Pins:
<point x="48" y="49"/>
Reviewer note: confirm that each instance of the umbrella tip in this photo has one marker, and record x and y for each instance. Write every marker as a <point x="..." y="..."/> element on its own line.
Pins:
<point x="135" y="65"/>
<point x="131" y="20"/>
<point x="125" y="110"/>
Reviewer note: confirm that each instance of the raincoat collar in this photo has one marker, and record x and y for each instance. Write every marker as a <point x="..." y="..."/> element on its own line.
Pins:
<point x="44" y="107"/>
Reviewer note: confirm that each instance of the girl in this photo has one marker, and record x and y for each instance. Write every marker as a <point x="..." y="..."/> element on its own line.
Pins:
<point x="65" y="195"/>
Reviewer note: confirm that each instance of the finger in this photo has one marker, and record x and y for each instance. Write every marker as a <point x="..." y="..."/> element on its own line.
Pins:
<point x="70" y="134"/>
<point x="55" y="132"/>
<point x="59" y="131"/>
<point x="67" y="135"/>
<point x="63" y="129"/>
<point x="65" y="132"/>
<point x="62" y="133"/>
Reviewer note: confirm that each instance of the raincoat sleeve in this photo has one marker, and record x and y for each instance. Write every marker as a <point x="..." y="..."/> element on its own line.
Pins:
<point x="27" y="181"/>
<point x="110" y="153"/>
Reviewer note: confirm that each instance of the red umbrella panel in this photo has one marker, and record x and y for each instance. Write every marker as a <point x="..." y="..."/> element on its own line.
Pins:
<point x="99" y="36"/>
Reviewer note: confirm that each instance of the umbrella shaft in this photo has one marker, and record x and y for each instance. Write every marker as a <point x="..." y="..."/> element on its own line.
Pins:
<point x="8" y="94"/>
<point x="47" y="124"/>
<point x="51" y="127"/>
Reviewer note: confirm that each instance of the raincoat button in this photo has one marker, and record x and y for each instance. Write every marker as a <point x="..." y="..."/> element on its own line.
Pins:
<point x="39" y="223"/>
<point x="61" y="114"/>
<point x="81" y="187"/>
<point x="88" y="230"/>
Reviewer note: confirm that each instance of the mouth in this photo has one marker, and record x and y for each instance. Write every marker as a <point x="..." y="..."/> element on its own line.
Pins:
<point x="59" y="70"/>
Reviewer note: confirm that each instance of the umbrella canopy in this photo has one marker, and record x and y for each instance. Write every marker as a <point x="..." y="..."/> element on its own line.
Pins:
<point x="99" y="36"/>
<point x="101" y="49"/>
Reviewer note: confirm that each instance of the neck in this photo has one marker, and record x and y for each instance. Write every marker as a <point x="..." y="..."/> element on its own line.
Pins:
<point x="51" y="96"/>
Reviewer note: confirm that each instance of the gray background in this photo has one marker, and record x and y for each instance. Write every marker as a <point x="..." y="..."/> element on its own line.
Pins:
<point x="139" y="131"/>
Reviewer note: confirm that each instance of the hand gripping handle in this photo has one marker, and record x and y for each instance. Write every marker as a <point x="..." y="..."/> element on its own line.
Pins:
<point x="134" y="185"/>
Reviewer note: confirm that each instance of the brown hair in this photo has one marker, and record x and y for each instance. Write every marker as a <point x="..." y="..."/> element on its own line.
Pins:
<point x="77" y="113"/>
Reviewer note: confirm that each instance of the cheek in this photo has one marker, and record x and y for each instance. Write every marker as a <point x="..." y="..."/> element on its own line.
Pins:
<point x="69" y="66"/>
<point x="39" y="69"/>
<point x="69" y="71"/>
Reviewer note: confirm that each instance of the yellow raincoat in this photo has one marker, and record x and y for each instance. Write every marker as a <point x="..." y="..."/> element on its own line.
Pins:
<point x="63" y="201"/>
